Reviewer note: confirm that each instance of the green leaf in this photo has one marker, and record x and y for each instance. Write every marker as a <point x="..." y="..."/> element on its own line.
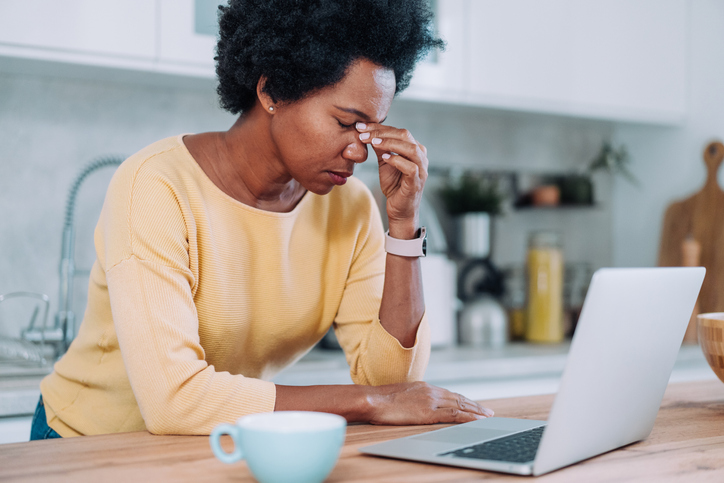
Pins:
<point x="613" y="161"/>
<point x="472" y="194"/>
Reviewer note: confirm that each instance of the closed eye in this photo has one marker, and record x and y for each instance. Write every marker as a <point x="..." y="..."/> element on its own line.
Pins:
<point x="346" y="126"/>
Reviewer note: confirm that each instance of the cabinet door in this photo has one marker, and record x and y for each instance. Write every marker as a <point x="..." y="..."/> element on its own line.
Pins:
<point x="124" y="28"/>
<point x="611" y="59"/>
<point x="188" y="32"/>
<point x="443" y="73"/>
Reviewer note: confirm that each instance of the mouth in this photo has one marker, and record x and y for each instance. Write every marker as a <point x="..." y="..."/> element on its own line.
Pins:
<point x="339" y="177"/>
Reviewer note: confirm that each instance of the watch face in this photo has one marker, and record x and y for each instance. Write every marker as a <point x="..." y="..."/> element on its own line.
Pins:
<point x="424" y="246"/>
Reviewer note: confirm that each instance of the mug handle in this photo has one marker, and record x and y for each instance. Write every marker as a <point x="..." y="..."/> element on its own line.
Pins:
<point x="219" y="452"/>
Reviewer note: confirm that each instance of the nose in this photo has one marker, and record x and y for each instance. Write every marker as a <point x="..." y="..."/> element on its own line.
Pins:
<point x="356" y="151"/>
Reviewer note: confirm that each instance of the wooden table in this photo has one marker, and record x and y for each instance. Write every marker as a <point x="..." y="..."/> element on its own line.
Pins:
<point x="687" y="444"/>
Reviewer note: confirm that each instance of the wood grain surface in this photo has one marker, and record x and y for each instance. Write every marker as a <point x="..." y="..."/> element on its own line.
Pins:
<point x="686" y="444"/>
<point x="700" y="217"/>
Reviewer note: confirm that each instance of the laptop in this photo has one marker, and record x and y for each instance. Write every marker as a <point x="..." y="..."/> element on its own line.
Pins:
<point x="624" y="349"/>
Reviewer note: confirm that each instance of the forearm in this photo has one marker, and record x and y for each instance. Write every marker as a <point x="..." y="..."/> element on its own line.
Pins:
<point x="405" y="403"/>
<point x="402" y="304"/>
<point x="352" y="402"/>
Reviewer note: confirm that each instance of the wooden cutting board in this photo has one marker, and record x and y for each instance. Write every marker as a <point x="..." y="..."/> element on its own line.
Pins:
<point x="699" y="218"/>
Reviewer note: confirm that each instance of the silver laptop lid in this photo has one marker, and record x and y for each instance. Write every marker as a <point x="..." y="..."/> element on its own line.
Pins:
<point x="618" y="367"/>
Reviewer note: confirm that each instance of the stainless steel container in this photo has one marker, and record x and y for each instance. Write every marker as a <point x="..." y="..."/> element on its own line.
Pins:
<point x="483" y="323"/>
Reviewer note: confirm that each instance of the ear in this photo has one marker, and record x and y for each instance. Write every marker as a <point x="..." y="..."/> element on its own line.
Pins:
<point x="265" y="99"/>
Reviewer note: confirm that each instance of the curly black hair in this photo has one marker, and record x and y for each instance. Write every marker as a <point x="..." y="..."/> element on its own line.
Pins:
<point x="302" y="46"/>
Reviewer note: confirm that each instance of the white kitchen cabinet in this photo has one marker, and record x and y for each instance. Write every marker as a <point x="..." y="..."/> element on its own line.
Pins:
<point x="443" y="74"/>
<point x="142" y="36"/>
<point x="15" y="430"/>
<point x="614" y="59"/>
<point x="53" y="30"/>
<point x="187" y="33"/>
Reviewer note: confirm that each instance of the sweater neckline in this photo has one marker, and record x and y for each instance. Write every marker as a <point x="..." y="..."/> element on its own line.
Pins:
<point x="223" y="195"/>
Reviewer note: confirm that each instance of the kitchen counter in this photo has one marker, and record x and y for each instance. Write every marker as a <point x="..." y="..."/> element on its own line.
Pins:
<point x="517" y="369"/>
<point x="686" y="444"/>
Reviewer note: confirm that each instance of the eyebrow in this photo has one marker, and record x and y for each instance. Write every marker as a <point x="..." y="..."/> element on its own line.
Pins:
<point x="359" y="114"/>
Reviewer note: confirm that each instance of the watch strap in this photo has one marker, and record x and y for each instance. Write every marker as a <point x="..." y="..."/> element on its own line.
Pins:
<point x="417" y="247"/>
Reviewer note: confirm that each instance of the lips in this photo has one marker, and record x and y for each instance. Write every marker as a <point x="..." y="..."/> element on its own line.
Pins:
<point x="339" y="177"/>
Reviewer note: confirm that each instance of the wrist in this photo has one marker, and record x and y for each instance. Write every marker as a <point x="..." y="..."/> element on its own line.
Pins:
<point x="372" y="401"/>
<point x="403" y="230"/>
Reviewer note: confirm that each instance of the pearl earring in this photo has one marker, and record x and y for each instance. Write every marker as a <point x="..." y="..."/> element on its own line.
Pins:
<point x="271" y="108"/>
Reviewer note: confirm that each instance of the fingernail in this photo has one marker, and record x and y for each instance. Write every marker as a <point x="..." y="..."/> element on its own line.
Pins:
<point x="361" y="125"/>
<point x="376" y="140"/>
<point x="386" y="156"/>
<point x="364" y="136"/>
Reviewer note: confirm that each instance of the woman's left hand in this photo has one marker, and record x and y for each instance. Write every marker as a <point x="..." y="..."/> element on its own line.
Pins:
<point x="403" y="171"/>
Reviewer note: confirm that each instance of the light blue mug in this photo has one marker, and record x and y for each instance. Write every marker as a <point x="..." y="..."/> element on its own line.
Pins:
<point x="284" y="446"/>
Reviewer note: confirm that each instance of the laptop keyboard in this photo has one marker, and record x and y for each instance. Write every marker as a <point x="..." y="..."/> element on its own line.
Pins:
<point x="516" y="448"/>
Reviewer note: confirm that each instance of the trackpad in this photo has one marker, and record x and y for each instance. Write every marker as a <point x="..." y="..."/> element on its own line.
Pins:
<point x="461" y="435"/>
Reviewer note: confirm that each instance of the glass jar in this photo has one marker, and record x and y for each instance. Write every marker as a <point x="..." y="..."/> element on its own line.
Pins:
<point x="575" y="286"/>
<point x="514" y="300"/>
<point x="545" y="287"/>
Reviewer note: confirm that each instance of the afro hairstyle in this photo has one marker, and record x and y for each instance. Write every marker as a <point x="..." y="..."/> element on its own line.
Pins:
<point x="302" y="46"/>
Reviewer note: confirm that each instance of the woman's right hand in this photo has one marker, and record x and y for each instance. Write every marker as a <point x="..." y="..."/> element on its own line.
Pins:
<point x="421" y="403"/>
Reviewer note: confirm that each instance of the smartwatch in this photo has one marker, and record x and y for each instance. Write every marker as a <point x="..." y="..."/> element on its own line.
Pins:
<point x="417" y="247"/>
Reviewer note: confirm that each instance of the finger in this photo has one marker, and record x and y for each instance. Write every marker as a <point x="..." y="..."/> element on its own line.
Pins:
<point x="403" y="165"/>
<point x="465" y="404"/>
<point x="392" y="144"/>
<point x="413" y="152"/>
<point x="472" y="406"/>
<point x="379" y="130"/>
<point x="453" y="415"/>
<point x="373" y="134"/>
<point x="394" y="140"/>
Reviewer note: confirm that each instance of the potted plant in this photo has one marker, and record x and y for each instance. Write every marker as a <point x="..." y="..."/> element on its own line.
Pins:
<point x="577" y="188"/>
<point x="613" y="161"/>
<point x="472" y="200"/>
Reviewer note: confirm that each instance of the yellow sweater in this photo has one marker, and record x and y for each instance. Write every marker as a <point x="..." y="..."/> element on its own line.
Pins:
<point x="196" y="300"/>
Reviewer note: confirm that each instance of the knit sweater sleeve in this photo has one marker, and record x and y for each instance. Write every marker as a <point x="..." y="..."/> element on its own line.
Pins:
<point x="151" y="282"/>
<point x="375" y="356"/>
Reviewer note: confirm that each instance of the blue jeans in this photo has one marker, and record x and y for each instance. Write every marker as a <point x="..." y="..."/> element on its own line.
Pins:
<point x="40" y="428"/>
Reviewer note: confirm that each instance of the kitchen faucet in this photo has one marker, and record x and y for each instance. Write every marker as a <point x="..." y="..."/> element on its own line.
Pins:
<point x="63" y="331"/>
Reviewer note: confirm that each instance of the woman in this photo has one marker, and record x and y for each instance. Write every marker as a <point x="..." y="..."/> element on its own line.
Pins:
<point x="225" y="256"/>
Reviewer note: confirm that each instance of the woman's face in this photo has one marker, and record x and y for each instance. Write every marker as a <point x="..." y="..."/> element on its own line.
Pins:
<point x="315" y="137"/>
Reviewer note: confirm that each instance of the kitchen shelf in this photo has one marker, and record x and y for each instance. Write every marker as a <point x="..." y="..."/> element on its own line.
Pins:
<point x="563" y="207"/>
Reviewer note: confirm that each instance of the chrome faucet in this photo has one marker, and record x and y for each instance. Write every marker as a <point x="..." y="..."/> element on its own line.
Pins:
<point x="63" y="331"/>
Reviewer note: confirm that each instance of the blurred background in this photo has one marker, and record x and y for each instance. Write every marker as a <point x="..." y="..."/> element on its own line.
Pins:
<point x="558" y="133"/>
